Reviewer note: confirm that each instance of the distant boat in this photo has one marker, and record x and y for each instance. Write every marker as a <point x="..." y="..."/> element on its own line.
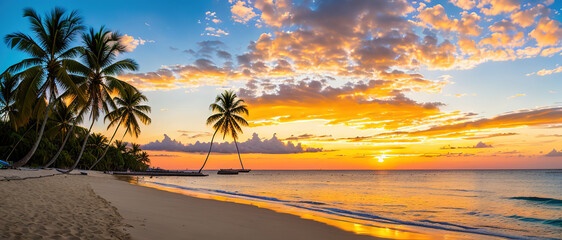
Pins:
<point x="162" y="173"/>
<point x="244" y="170"/>
<point x="227" y="172"/>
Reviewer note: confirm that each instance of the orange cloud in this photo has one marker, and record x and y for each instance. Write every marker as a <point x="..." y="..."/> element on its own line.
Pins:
<point x="363" y="105"/>
<point x="523" y="118"/>
<point x="495" y="7"/>
<point x="131" y="43"/>
<point x="464" y="4"/>
<point x="438" y="19"/>
<point x="241" y="12"/>
<point x="548" y="32"/>
<point x="526" y="18"/>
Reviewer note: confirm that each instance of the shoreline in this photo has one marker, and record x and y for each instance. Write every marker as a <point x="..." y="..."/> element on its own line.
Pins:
<point x="176" y="215"/>
<point x="357" y="226"/>
<point x="102" y="207"/>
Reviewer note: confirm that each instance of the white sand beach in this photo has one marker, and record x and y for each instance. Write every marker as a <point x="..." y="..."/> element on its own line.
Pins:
<point x="98" y="206"/>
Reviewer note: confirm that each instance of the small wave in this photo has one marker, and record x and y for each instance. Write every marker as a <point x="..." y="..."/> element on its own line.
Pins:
<point x="542" y="200"/>
<point x="553" y="222"/>
<point x="448" y="224"/>
<point x="247" y="195"/>
<point x="312" y="202"/>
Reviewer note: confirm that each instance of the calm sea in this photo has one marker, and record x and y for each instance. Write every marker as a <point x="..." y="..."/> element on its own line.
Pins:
<point x="450" y="204"/>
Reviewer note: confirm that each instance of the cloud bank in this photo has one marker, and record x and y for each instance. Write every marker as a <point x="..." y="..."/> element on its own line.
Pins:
<point x="252" y="145"/>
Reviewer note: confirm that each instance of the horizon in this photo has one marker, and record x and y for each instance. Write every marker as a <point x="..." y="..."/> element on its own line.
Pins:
<point x="376" y="85"/>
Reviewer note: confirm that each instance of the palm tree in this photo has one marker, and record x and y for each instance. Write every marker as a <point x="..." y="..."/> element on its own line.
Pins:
<point x="99" y="55"/>
<point x="65" y="118"/>
<point x="135" y="149"/>
<point x="127" y="113"/>
<point x="120" y="146"/>
<point x="8" y="110"/>
<point x="44" y="72"/>
<point x="144" y="158"/>
<point x="227" y="119"/>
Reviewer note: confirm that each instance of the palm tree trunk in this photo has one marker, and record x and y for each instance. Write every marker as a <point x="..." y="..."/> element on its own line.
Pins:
<point x="61" y="146"/>
<point x="106" y="148"/>
<point x="21" y="139"/>
<point x="28" y="156"/>
<point x="209" y="151"/>
<point x="82" y="150"/>
<point x="238" y="154"/>
<point x="124" y="134"/>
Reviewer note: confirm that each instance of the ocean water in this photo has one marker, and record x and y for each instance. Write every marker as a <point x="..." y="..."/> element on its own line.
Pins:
<point x="398" y="204"/>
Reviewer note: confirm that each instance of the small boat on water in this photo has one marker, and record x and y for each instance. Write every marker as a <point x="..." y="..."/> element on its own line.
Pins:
<point x="228" y="171"/>
<point x="244" y="170"/>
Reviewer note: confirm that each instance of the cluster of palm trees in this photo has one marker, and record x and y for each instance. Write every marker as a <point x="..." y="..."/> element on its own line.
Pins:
<point x="65" y="82"/>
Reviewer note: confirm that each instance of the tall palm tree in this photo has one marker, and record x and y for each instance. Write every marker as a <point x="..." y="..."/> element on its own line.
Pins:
<point x="227" y="119"/>
<point x="44" y="73"/>
<point x="128" y="111"/>
<point x="100" y="66"/>
<point x="65" y="118"/>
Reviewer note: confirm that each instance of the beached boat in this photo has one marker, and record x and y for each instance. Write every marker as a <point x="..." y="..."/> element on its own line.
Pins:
<point x="227" y="171"/>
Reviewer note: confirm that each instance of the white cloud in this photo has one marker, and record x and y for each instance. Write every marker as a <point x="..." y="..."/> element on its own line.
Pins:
<point x="241" y="12"/>
<point x="131" y="43"/>
<point x="544" y="72"/>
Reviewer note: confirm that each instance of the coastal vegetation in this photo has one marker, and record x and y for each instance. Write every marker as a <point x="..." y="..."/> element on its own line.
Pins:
<point x="69" y="78"/>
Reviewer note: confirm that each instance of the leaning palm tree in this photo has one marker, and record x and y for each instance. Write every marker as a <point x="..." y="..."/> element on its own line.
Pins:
<point x="98" y="55"/>
<point x="65" y="118"/>
<point x="227" y="119"/>
<point x="128" y="111"/>
<point x="44" y="74"/>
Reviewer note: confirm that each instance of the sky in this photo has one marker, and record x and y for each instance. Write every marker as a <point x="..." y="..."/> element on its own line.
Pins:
<point x="353" y="84"/>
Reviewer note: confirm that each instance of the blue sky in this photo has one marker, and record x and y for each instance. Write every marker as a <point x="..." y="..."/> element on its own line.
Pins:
<point x="312" y="45"/>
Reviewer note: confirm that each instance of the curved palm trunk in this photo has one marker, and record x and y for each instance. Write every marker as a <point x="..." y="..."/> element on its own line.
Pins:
<point x="106" y="148"/>
<point x="82" y="150"/>
<point x="28" y="156"/>
<point x="61" y="147"/>
<point x="15" y="146"/>
<point x="209" y="151"/>
<point x="238" y="154"/>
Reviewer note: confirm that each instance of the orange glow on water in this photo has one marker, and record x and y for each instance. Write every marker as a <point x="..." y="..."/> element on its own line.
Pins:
<point x="344" y="223"/>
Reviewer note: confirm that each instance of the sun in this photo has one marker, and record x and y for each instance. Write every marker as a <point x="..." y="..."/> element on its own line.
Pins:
<point x="381" y="158"/>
